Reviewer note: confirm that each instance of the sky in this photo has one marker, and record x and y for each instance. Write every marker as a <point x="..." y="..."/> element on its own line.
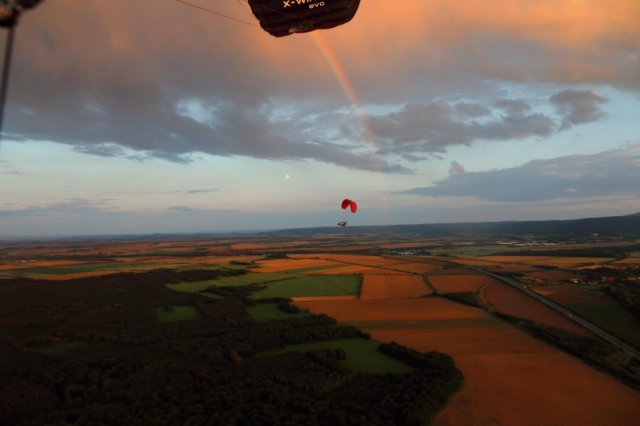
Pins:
<point x="139" y="116"/>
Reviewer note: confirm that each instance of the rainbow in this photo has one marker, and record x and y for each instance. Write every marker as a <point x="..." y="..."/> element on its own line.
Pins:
<point x="343" y="79"/>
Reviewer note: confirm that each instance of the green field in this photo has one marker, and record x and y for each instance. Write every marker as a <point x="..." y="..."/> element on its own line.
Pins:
<point x="315" y="268"/>
<point x="312" y="285"/>
<point x="251" y="278"/>
<point x="363" y="355"/>
<point x="62" y="347"/>
<point x="610" y="316"/>
<point x="90" y="267"/>
<point x="177" y="313"/>
<point x="117" y="267"/>
<point x="263" y="312"/>
<point x="210" y="295"/>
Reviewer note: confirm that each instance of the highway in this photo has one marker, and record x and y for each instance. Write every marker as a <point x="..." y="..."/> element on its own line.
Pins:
<point x="564" y="311"/>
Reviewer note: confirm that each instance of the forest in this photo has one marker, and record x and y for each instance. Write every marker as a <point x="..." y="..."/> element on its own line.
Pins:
<point x="93" y="351"/>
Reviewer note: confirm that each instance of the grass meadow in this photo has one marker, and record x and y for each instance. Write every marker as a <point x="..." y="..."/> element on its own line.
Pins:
<point x="363" y="355"/>
<point x="177" y="313"/>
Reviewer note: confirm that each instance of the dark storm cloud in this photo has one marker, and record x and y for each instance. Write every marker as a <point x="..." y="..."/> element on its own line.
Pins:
<point x="576" y="176"/>
<point x="578" y="107"/>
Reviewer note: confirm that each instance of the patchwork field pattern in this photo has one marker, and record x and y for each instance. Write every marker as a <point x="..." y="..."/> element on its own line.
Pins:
<point x="598" y="309"/>
<point x="279" y="265"/>
<point x="508" y="300"/>
<point x="351" y="259"/>
<point x="393" y="287"/>
<point x="565" y="262"/>
<point x="459" y="283"/>
<point x="417" y="268"/>
<point x="311" y="285"/>
<point x="510" y="377"/>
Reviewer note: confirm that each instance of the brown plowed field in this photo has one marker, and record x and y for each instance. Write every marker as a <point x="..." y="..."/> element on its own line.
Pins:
<point x="393" y="287"/>
<point x="510" y="301"/>
<point x="510" y="377"/>
<point x="324" y="298"/>
<point x="538" y="389"/>
<point x="416" y="267"/>
<point x="278" y="265"/>
<point x="459" y="283"/>
<point x="396" y="310"/>
<point x="357" y="269"/>
<point x="553" y="275"/>
<point x="354" y="259"/>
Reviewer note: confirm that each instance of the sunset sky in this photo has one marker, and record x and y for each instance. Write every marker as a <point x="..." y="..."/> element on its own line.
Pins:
<point x="150" y="116"/>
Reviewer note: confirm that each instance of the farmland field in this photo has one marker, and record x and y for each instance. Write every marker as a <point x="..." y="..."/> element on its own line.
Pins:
<point x="508" y="300"/>
<point x="393" y="287"/>
<point x="251" y="278"/>
<point x="177" y="313"/>
<point x="419" y="268"/>
<point x="459" y="283"/>
<point x="377" y="285"/>
<point x="565" y="262"/>
<point x="263" y="312"/>
<point x="311" y="285"/>
<point x="510" y="378"/>
<point x="553" y="275"/>
<point x="597" y="308"/>
<point x="280" y="265"/>
<point x="362" y="355"/>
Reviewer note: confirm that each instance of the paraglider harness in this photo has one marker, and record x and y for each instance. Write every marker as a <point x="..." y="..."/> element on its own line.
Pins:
<point x="342" y="223"/>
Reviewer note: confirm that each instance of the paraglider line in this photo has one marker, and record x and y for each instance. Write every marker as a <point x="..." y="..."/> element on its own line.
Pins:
<point x="6" y="67"/>
<point x="222" y="15"/>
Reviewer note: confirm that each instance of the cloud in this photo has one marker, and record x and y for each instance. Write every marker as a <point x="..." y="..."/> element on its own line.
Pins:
<point x="435" y="126"/>
<point x="181" y="208"/>
<point x="224" y="89"/>
<point x="578" y="107"/>
<point x="72" y="208"/>
<point x="101" y="149"/>
<point x="200" y="191"/>
<point x="609" y="173"/>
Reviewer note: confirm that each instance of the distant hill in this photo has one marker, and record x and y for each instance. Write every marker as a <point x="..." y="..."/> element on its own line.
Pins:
<point x="604" y="226"/>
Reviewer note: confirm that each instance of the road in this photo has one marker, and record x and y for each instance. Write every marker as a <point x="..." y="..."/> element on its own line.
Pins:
<point x="564" y="311"/>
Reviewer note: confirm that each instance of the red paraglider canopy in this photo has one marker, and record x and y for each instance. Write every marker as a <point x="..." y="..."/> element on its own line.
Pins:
<point x="349" y="203"/>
